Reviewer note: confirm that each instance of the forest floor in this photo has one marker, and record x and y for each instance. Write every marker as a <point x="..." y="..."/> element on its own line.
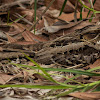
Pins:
<point x="48" y="56"/>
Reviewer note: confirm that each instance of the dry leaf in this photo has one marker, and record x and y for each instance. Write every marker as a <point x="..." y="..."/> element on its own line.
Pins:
<point x="53" y="13"/>
<point x="70" y="17"/>
<point x="1" y="49"/>
<point x="11" y="39"/>
<point x="21" y="11"/>
<point x="4" y="78"/>
<point x="6" y="1"/>
<point x="95" y="64"/>
<point x="72" y="29"/>
<point x="2" y="13"/>
<point x="63" y="25"/>
<point x="40" y="25"/>
<point x="58" y="5"/>
<point x="28" y="36"/>
<point x="86" y="95"/>
<point x="24" y="42"/>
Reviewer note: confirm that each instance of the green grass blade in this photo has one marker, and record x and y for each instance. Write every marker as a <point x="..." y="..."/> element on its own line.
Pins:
<point x="97" y="89"/>
<point x="17" y="19"/>
<point x="34" y="70"/>
<point x="49" y="78"/>
<point x="71" y="79"/>
<point x="86" y="6"/>
<point x="96" y="68"/>
<point x="63" y="7"/>
<point x="90" y="11"/>
<point x="81" y="13"/>
<point x="50" y="86"/>
<point x="67" y="92"/>
<point x="73" y="71"/>
<point x="97" y="12"/>
<point x="86" y="88"/>
<point x="58" y="69"/>
<point x="39" y="67"/>
<point x="92" y="84"/>
<point x="38" y="86"/>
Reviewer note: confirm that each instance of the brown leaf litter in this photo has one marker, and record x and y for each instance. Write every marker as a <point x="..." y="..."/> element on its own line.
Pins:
<point x="58" y="40"/>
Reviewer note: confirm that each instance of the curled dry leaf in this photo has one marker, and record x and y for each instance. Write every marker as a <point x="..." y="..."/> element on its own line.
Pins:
<point x="69" y="30"/>
<point x="62" y="25"/>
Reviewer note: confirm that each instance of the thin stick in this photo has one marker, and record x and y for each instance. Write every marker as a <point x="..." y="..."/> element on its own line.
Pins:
<point x="24" y="19"/>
